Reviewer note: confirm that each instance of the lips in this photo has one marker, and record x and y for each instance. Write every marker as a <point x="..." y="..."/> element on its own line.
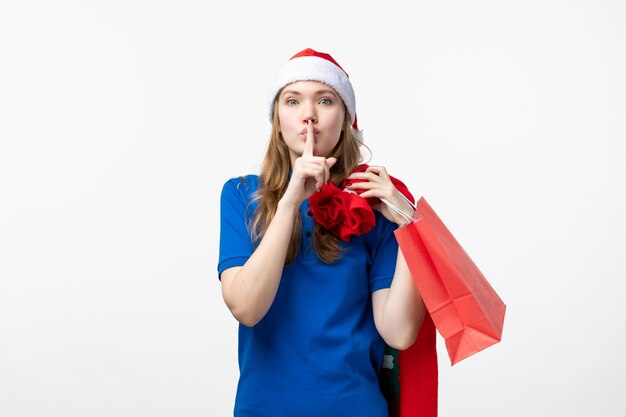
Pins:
<point x="304" y="131"/>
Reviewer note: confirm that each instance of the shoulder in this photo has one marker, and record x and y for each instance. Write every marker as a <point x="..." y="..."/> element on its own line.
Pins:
<point x="237" y="197"/>
<point x="242" y="185"/>
<point x="383" y="228"/>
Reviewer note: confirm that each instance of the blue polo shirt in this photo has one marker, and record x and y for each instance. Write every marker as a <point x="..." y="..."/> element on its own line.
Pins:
<point x="316" y="353"/>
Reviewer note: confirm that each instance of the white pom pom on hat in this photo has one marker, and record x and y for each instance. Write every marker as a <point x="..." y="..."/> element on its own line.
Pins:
<point x="311" y="65"/>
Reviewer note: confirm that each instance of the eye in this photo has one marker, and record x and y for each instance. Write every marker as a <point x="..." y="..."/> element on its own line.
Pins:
<point x="291" y="101"/>
<point x="326" y="101"/>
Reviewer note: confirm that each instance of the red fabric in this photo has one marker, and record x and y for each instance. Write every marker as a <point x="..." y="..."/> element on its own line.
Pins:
<point x="341" y="213"/>
<point x="323" y="55"/>
<point x="419" y="374"/>
<point x="345" y="214"/>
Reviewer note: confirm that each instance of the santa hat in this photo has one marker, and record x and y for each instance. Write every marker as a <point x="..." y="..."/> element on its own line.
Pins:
<point x="315" y="66"/>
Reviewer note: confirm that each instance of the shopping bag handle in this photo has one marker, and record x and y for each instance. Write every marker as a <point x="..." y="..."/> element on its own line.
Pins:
<point x="404" y="215"/>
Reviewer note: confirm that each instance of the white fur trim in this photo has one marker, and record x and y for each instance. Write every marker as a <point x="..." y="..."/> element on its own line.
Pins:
<point x="316" y="69"/>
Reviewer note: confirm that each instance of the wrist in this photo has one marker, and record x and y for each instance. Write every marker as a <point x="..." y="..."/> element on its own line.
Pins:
<point x="287" y="206"/>
<point x="403" y="221"/>
<point x="400" y="204"/>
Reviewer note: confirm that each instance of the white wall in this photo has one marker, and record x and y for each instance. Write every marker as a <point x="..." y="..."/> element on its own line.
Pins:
<point x="121" y="120"/>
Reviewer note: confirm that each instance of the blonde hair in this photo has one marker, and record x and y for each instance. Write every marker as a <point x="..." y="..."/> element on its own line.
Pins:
<point x="274" y="178"/>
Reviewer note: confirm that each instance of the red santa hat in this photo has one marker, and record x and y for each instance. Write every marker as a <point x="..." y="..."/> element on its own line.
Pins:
<point x="315" y="66"/>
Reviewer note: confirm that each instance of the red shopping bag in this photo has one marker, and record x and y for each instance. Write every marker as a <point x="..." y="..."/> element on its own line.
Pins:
<point x="465" y="309"/>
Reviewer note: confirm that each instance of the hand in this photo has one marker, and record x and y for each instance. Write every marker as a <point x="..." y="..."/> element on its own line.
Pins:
<point x="309" y="172"/>
<point x="378" y="184"/>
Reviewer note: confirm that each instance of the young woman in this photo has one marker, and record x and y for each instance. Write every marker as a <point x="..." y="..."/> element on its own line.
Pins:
<point x="316" y="304"/>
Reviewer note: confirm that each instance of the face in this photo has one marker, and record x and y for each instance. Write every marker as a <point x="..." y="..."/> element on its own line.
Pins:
<point x="310" y="100"/>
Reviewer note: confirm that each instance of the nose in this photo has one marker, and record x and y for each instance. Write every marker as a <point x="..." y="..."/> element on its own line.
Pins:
<point x="309" y="113"/>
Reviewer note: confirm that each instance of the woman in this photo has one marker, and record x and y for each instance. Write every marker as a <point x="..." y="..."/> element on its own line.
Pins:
<point x="316" y="303"/>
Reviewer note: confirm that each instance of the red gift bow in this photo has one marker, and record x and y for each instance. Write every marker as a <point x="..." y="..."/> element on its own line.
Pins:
<point x="345" y="213"/>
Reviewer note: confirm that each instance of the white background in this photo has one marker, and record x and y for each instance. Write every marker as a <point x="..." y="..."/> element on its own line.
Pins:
<point x="121" y="120"/>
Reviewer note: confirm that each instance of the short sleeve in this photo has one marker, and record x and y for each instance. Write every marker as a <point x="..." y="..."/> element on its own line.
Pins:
<point x="235" y="245"/>
<point x="384" y="256"/>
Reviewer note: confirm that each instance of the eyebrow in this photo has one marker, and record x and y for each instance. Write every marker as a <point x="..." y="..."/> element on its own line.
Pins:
<point x="319" y="92"/>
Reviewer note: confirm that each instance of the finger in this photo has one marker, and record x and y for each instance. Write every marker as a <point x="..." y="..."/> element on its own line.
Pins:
<point x="364" y="176"/>
<point x="324" y="164"/>
<point x="380" y="170"/>
<point x="370" y="193"/>
<point x="310" y="140"/>
<point x="308" y="169"/>
<point x="319" y="160"/>
<point x="361" y="185"/>
<point x="314" y="171"/>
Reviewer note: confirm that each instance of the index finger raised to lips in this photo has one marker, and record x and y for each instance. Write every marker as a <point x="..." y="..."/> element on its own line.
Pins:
<point x="310" y="140"/>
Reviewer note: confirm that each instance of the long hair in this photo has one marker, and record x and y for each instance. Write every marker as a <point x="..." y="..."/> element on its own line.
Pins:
<point x="274" y="179"/>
